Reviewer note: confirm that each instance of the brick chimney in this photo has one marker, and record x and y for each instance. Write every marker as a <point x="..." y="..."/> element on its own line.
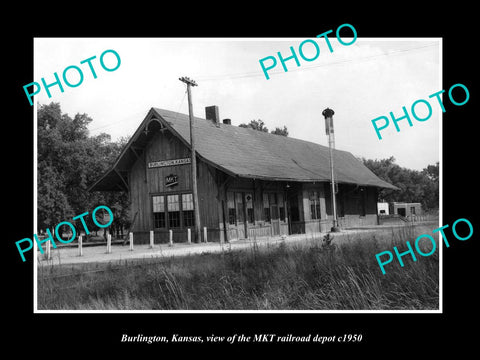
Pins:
<point x="212" y="114"/>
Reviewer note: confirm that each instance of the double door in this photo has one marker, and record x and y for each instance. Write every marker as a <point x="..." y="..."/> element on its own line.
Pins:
<point x="275" y="220"/>
<point x="242" y="217"/>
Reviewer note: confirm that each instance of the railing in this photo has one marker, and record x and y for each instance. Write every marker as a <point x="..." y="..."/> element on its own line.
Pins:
<point x="423" y="217"/>
<point x="410" y="218"/>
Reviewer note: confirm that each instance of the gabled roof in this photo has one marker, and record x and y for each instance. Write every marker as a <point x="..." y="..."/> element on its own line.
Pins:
<point x="243" y="152"/>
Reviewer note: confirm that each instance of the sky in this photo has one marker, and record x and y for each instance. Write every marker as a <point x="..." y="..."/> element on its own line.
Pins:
<point x="363" y="81"/>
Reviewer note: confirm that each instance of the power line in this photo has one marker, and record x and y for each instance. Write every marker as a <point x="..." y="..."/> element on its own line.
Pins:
<point x="260" y="74"/>
<point x="133" y="116"/>
<point x="127" y="118"/>
<point x="340" y="62"/>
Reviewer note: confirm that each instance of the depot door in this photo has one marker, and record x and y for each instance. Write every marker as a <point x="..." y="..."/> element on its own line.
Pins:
<point x="275" y="220"/>
<point x="241" y="224"/>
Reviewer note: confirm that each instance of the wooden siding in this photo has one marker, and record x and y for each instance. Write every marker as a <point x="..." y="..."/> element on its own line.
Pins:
<point x="259" y="227"/>
<point x="138" y="190"/>
<point x="164" y="146"/>
<point x="208" y="196"/>
<point x="355" y="207"/>
<point x="146" y="182"/>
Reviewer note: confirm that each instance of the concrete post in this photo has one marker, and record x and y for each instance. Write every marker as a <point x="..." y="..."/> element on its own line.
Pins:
<point x="170" y="237"/>
<point x="80" y="243"/>
<point x="205" y="234"/>
<point x="131" y="241"/>
<point x="109" y="244"/>
<point x="151" y="239"/>
<point x="48" y="253"/>
<point x="189" y="235"/>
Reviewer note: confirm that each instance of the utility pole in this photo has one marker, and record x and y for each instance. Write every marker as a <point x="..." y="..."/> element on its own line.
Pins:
<point x="193" y="162"/>
<point x="328" y="114"/>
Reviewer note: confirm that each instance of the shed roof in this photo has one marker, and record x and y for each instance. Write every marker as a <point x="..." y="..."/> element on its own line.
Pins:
<point x="244" y="152"/>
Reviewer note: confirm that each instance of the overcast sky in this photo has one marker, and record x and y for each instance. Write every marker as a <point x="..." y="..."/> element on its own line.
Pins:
<point x="359" y="82"/>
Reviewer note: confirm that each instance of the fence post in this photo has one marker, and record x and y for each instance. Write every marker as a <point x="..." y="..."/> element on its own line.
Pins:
<point x="205" y="234"/>
<point x="170" y="237"/>
<point x="47" y="250"/>
<point x="109" y="244"/>
<point x="151" y="239"/>
<point x="189" y="235"/>
<point x="80" y="249"/>
<point x="131" y="241"/>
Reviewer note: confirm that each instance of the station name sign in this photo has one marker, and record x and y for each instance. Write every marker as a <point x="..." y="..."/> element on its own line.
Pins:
<point x="164" y="163"/>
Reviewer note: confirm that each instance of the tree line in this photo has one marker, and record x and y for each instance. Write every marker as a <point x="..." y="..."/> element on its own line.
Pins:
<point x="68" y="162"/>
<point x="415" y="186"/>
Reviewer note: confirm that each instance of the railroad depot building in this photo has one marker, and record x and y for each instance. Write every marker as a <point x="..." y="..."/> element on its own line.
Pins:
<point x="251" y="184"/>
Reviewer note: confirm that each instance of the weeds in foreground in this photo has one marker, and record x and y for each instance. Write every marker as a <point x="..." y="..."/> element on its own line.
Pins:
<point x="319" y="275"/>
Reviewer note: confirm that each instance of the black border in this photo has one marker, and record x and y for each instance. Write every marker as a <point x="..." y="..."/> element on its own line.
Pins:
<point x="396" y="333"/>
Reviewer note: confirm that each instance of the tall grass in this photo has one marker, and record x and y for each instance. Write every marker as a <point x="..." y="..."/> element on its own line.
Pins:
<point x="308" y="276"/>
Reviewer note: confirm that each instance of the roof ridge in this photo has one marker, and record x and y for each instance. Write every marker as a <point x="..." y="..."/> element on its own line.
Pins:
<point x="240" y="128"/>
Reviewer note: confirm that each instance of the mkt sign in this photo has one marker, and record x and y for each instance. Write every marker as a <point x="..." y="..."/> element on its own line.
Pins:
<point x="171" y="180"/>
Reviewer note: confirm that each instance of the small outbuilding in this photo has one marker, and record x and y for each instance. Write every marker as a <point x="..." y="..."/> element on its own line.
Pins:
<point x="406" y="209"/>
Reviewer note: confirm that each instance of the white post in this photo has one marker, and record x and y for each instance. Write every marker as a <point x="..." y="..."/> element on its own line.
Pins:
<point x="170" y="235"/>
<point x="80" y="249"/>
<point x="151" y="239"/>
<point x="109" y="244"/>
<point x="189" y="235"/>
<point x="205" y="234"/>
<point x="47" y="248"/>
<point x="131" y="241"/>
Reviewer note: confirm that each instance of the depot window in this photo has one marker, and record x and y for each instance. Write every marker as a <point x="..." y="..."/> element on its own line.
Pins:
<point x="232" y="214"/>
<point x="173" y="207"/>
<point x="266" y="208"/>
<point x="314" y="198"/>
<point x="281" y="207"/>
<point x="173" y="211"/>
<point x="240" y="208"/>
<point x="187" y="210"/>
<point x="159" y="211"/>
<point x="250" y="213"/>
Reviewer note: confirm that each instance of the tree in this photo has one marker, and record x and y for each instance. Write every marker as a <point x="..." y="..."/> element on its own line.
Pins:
<point x="431" y="174"/>
<point x="69" y="160"/>
<point x="415" y="186"/>
<point x="255" y="125"/>
<point x="279" y="131"/>
<point x="432" y="171"/>
<point x="53" y="203"/>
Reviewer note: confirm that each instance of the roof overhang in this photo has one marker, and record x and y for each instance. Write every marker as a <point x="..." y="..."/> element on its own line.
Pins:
<point x="116" y="178"/>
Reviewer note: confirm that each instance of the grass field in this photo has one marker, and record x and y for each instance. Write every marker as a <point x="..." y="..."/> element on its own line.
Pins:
<point x="305" y="276"/>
